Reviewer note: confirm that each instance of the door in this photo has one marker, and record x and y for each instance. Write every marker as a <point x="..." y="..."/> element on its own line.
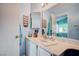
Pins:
<point x="9" y="29"/>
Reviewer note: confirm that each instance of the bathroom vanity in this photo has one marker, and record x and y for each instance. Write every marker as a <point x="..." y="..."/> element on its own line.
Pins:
<point x="45" y="47"/>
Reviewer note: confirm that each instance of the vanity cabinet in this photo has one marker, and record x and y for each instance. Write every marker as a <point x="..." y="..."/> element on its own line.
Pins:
<point x="42" y="52"/>
<point x="27" y="47"/>
<point x="30" y="48"/>
<point x="35" y="50"/>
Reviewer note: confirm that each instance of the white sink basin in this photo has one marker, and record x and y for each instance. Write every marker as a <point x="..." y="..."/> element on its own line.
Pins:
<point x="47" y="42"/>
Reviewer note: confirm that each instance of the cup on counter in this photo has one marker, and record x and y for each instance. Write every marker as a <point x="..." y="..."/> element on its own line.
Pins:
<point x="30" y="33"/>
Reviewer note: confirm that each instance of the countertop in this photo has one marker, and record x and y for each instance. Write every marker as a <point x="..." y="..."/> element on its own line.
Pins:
<point x="56" y="47"/>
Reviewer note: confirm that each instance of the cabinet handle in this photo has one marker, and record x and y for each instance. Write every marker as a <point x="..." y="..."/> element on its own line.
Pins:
<point x="17" y="36"/>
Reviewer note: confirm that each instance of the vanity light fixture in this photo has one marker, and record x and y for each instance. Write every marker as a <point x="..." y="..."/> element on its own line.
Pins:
<point x="44" y="4"/>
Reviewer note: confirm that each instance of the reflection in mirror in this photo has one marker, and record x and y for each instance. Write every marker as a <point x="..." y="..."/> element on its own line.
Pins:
<point x="62" y="26"/>
<point x="36" y="23"/>
<point x="67" y="20"/>
<point x="36" y="19"/>
<point x="47" y="24"/>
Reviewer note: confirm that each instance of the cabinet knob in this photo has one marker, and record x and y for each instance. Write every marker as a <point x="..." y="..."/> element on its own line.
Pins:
<point x="17" y="36"/>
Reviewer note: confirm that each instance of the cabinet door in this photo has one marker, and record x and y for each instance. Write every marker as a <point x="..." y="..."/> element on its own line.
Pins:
<point x="27" y="47"/>
<point x="42" y="52"/>
<point x="32" y="49"/>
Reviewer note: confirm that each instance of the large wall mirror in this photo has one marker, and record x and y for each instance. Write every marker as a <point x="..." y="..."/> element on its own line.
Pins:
<point x="35" y="23"/>
<point x="36" y="19"/>
<point x="65" y="20"/>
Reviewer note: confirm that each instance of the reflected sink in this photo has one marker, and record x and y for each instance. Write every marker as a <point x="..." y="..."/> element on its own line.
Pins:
<point x="47" y="42"/>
